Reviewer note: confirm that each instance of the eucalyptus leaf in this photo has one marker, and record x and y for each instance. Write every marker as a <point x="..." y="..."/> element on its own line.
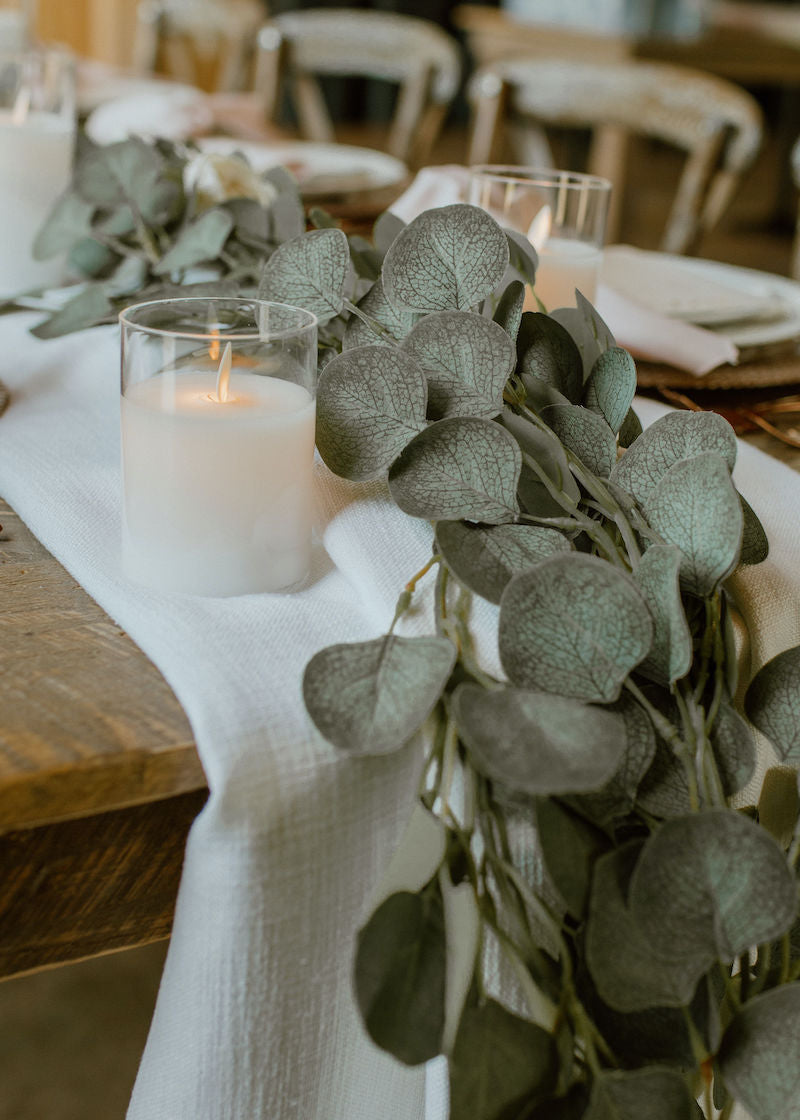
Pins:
<point x="310" y="272"/>
<point x="462" y="928"/>
<point x="449" y="258"/>
<point x="589" y="332"/>
<point x="127" y="171"/>
<point x="485" y="558"/>
<point x="537" y="743"/>
<point x="286" y="212"/>
<point x="416" y="859"/>
<point x="772" y="703"/>
<point x="657" y="1093"/>
<point x="371" y="697"/>
<point x="755" y="546"/>
<point x="467" y="360"/>
<point x="386" y="229"/>
<point x="68" y="221"/>
<point x="546" y="450"/>
<point x="631" y="429"/>
<point x="618" y="796"/>
<point x="546" y="351"/>
<point x="671" y="438"/>
<point x="463" y="467"/>
<point x="376" y="306"/>
<point x="400" y="975"/>
<point x="86" y="309"/>
<point x="201" y="240"/>
<point x="370" y="402"/>
<point x="779" y="804"/>
<point x="695" y="506"/>
<point x="734" y="749"/>
<point x="571" y="847"/>
<point x="759" y="1055"/>
<point x="710" y="885"/>
<point x="657" y="578"/>
<point x="92" y="259"/>
<point x="611" y="386"/>
<point x="522" y="257"/>
<point x="585" y="434"/>
<point x="508" y="313"/>
<point x="573" y="625"/>
<point x="627" y="973"/>
<point x="499" y="1061"/>
<point x="664" y="790"/>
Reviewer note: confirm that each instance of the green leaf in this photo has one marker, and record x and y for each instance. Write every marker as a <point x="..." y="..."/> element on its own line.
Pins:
<point x="734" y="749"/>
<point x="462" y="928"/>
<point x="459" y="468"/>
<point x="627" y="973"/>
<point x="467" y="360"/>
<point x="310" y="272"/>
<point x="755" y="546"/>
<point x="89" y="307"/>
<point x="449" y="258"/>
<point x="631" y="429"/>
<point x="695" y="506"/>
<point x="772" y="703"/>
<point x="91" y="259"/>
<point x="485" y="558"/>
<point x="371" y="401"/>
<point x="654" y="1093"/>
<point x="68" y="222"/>
<point x="387" y="227"/>
<point x="664" y="790"/>
<point x="546" y="351"/>
<point x="417" y="858"/>
<point x="585" y="434"/>
<point x="611" y="386"/>
<point x="376" y="306"/>
<point x="618" y="795"/>
<point x="570" y="848"/>
<point x="128" y="171"/>
<point x="522" y="257"/>
<point x="573" y="625"/>
<point x="371" y="697"/>
<point x="671" y="438"/>
<point x="546" y="449"/>
<point x="400" y="975"/>
<point x="508" y="314"/>
<point x="537" y="743"/>
<point x="759" y="1055"/>
<point x="710" y="885"/>
<point x="499" y="1060"/>
<point x="589" y="332"/>
<point x="201" y="240"/>
<point x="779" y="804"/>
<point x="657" y="578"/>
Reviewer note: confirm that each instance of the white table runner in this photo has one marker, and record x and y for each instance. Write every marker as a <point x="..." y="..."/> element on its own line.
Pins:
<point x="255" y="1019"/>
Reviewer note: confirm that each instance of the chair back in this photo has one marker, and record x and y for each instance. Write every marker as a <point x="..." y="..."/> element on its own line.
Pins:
<point x="716" y="123"/>
<point x="206" y="43"/>
<point x="295" y="48"/>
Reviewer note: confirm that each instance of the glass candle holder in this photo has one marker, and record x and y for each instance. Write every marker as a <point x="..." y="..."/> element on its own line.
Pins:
<point x="37" y="140"/>
<point x="218" y="412"/>
<point x="562" y="213"/>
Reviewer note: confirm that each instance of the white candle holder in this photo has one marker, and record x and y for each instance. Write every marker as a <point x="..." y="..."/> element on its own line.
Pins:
<point x="218" y="413"/>
<point x="562" y="213"/>
<point x="37" y="141"/>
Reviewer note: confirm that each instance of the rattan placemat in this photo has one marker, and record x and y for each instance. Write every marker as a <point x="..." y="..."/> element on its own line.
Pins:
<point x="755" y="374"/>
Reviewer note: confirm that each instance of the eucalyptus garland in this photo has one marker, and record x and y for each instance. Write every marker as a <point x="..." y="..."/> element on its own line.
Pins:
<point x="593" y="931"/>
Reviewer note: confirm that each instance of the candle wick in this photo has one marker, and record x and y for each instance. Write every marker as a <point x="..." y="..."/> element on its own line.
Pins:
<point x="22" y="104"/>
<point x="224" y="373"/>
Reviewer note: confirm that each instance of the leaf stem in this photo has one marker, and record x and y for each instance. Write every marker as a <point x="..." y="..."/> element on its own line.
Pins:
<point x="374" y="325"/>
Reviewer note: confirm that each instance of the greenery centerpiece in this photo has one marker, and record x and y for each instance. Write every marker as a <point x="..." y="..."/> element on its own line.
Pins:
<point x="592" y="930"/>
<point x="588" y="929"/>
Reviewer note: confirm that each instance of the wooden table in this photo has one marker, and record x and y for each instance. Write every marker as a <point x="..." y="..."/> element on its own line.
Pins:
<point x="99" y="776"/>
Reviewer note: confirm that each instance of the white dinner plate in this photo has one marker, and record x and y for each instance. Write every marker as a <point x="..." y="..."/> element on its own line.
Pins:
<point x="754" y="309"/>
<point x="320" y="169"/>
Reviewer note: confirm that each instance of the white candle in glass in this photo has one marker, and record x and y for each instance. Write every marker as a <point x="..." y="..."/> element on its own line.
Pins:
<point x="564" y="265"/>
<point x="35" y="168"/>
<point x="218" y="495"/>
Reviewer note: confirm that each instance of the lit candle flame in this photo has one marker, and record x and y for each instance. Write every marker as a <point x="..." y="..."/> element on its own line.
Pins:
<point x="539" y="229"/>
<point x="22" y="105"/>
<point x="224" y="373"/>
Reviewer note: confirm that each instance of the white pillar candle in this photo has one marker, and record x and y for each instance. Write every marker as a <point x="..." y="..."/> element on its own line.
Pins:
<point x="35" y="167"/>
<point x="218" y="494"/>
<point x="564" y="265"/>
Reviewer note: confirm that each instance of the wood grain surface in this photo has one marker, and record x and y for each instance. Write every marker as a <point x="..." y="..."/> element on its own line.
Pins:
<point x="87" y="723"/>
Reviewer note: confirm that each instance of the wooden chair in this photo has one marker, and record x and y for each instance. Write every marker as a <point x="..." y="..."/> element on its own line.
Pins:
<point x="295" y="48"/>
<point x="795" y="168"/>
<point x="206" y="43"/>
<point x="717" y="124"/>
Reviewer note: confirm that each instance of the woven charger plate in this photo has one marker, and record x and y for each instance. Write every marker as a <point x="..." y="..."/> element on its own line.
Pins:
<point x="5" y="397"/>
<point x="756" y="374"/>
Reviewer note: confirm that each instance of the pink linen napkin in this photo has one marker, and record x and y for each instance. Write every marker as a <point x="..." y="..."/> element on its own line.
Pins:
<point x="646" y="334"/>
<point x="657" y="338"/>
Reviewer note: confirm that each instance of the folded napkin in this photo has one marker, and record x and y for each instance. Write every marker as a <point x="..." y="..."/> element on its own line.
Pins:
<point x="646" y="333"/>
<point x="171" y="111"/>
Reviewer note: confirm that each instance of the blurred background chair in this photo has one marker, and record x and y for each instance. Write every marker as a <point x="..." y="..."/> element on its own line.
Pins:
<point x="717" y="124"/>
<point x="296" y="48"/>
<point x="795" y="168"/>
<point x="205" y="43"/>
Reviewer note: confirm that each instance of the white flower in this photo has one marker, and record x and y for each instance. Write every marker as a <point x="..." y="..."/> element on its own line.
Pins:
<point x="216" y="178"/>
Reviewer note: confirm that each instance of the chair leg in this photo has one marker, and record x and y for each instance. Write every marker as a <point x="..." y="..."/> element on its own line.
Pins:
<point x="488" y="112"/>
